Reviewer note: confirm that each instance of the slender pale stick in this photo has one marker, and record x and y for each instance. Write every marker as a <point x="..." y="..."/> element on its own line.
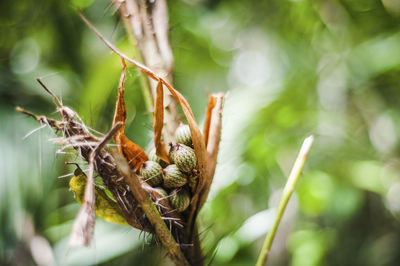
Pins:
<point x="286" y="194"/>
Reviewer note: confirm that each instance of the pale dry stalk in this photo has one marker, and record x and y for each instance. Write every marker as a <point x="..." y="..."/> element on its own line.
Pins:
<point x="147" y="24"/>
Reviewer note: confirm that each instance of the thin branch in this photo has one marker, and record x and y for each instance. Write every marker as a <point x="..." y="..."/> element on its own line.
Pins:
<point x="40" y="119"/>
<point x="49" y="92"/>
<point x="107" y="137"/>
<point x="142" y="67"/>
<point x="151" y="211"/>
<point x="286" y="194"/>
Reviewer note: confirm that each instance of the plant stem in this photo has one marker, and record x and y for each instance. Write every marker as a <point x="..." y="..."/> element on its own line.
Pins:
<point x="286" y="194"/>
<point x="144" y="82"/>
<point x="152" y="214"/>
<point x="147" y="25"/>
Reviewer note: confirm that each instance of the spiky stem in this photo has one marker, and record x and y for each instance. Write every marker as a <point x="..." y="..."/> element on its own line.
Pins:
<point x="146" y="23"/>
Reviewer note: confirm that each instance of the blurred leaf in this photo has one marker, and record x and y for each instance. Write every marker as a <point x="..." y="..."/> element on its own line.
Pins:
<point x="81" y="4"/>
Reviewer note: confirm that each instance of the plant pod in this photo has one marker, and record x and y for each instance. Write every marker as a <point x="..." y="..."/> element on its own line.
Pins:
<point x="172" y="152"/>
<point x="185" y="158"/>
<point x="153" y="157"/>
<point x="161" y="191"/>
<point x="173" y="177"/>
<point x="183" y="136"/>
<point x="151" y="172"/>
<point x="179" y="199"/>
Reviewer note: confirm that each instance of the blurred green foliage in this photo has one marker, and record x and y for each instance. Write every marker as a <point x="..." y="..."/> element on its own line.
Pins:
<point x="291" y="68"/>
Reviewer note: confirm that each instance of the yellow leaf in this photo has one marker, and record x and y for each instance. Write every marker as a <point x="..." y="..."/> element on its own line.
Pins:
<point x="105" y="207"/>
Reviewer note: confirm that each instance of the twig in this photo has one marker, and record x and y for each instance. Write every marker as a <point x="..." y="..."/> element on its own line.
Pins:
<point x="49" y="92"/>
<point x="107" y="137"/>
<point x="40" y="119"/>
<point x="151" y="211"/>
<point x="142" y="67"/>
<point x="286" y="194"/>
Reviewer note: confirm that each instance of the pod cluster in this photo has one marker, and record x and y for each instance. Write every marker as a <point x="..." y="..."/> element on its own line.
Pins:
<point x="171" y="180"/>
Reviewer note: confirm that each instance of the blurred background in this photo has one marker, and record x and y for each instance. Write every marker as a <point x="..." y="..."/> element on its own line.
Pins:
<point x="291" y="68"/>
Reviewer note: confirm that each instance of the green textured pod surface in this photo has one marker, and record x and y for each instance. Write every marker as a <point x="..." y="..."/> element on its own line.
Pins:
<point x="172" y="152"/>
<point x="179" y="199"/>
<point x="153" y="157"/>
<point x="183" y="136"/>
<point x="161" y="191"/>
<point x="185" y="158"/>
<point x="151" y="172"/>
<point x="173" y="177"/>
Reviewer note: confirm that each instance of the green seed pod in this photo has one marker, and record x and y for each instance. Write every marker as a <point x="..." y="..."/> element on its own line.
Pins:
<point x="153" y="157"/>
<point x="173" y="177"/>
<point x="151" y="172"/>
<point x="183" y="136"/>
<point x="161" y="191"/>
<point x="185" y="158"/>
<point x="172" y="152"/>
<point x="179" y="199"/>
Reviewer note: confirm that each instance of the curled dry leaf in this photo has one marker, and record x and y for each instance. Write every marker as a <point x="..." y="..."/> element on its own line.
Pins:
<point x="158" y="123"/>
<point x="132" y="152"/>
<point x="200" y="151"/>
<point x="212" y="135"/>
<point x="197" y="138"/>
<point x="212" y="100"/>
